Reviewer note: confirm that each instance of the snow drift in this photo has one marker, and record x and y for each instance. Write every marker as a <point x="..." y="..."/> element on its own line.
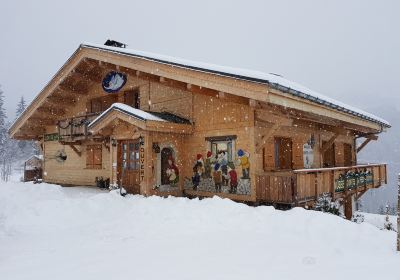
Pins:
<point x="49" y="232"/>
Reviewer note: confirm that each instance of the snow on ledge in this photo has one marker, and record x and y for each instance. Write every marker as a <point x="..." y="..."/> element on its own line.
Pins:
<point x="273" y="80"/>
<point x="142" y="115"/>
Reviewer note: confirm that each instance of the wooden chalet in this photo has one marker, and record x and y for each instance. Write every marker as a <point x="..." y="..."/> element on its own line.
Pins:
<point x="158" y="125"/>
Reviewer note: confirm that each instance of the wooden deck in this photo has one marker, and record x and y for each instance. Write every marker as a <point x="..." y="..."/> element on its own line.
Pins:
<point x="302" y="186"/>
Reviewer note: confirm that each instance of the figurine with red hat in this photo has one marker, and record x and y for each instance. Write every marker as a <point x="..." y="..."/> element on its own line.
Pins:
<point x="172" y="171"/>
<point x="208" y="165"/>
<point x="198" y="170"/>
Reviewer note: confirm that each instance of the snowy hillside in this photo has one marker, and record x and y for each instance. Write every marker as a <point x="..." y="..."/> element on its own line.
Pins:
<point x="49" y="232"/>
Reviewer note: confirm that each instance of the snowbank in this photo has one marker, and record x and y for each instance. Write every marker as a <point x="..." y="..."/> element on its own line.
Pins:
<point x="49" y="232"/>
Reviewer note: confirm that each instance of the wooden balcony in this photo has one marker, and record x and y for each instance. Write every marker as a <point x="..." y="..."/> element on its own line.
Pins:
<point x="299" y="187"/>
<point x="75" y="129"/>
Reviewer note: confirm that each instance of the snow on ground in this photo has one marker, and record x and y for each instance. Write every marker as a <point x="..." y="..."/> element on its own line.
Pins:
<point x="378" y="220"/>
<point x="50" y="232"/>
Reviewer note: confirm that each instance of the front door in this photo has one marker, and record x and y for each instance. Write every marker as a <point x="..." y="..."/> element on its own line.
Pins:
<point x="128" y="165"/>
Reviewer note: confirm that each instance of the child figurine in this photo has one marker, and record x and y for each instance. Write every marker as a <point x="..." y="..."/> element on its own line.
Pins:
<point x="207" y="165"/>
<point x="244" y="163"/>
<point x="217" y="176"/>
<point x="223" y="162"/>
<point x="198" y="169"/>
<point x="233" y="182"/>
<point x="172" y="172"/>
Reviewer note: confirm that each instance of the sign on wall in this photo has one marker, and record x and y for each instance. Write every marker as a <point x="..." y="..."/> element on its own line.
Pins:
<point x="52" y="137"/>
<point x="113" y="82"/>
<point x="308" y="155"/>
<point x="142" y="167"/>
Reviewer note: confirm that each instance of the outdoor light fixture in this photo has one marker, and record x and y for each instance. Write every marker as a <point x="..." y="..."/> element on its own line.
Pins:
<point x="141" y="140"/>
<point x="311" y="141"/>
<point x="156" y="148"/>
<point x="113" y="142"/>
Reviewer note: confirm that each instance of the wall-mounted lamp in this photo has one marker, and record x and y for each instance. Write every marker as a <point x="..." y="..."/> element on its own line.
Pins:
<point x="113" y="142"/>
<point x="311" y="141"/>
<point x="141" y="140"/>
<point x="156" y="148"/>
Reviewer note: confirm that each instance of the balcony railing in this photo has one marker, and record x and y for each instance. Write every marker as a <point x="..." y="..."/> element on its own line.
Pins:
<point x="76" y="128"/>
<point x="300" y="186"/>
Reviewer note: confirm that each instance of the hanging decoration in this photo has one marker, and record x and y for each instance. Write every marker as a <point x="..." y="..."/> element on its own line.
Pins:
<point x="60" y="156"/>
<point x="113" y="82"/>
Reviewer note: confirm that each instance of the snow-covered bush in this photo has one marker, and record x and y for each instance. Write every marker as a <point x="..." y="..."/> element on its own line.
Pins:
<point x="326" y="204"/>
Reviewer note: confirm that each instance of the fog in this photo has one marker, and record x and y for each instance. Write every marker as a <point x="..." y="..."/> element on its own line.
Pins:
<point x="348" y="50"/>
<point x="345" y="49"/>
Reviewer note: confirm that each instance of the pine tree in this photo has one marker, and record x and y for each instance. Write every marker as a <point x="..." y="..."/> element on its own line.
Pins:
<point x="20" y="107"/>
<point x="3" y="117"/>
<point x="5" y="153"/>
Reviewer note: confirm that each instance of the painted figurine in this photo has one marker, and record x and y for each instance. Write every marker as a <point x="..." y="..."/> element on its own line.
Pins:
<point x="217" y="176"/>
<point x="172" y="171"/>
<point x="244" y="163"/>
<point x="198" y="170"/>
<point x="208" y="165"/>
<point x="233" y="180"/>
<point x="223" y="162"/>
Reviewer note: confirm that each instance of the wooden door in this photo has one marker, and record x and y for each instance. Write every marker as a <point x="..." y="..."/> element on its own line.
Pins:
<point x="328" y="156"/>
<point x="128" y="165"/>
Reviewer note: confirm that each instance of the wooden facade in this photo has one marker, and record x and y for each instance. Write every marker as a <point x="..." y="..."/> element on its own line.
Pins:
<point x="202" y="134"/>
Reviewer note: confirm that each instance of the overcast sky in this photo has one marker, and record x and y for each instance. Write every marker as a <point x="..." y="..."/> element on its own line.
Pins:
<point x="348" y="50"/>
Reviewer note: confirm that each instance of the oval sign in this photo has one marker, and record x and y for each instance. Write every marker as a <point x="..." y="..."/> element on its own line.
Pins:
<point x="113" y="82"/>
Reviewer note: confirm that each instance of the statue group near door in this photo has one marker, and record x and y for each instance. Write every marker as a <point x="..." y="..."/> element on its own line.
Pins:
<point x="216" y="173"/>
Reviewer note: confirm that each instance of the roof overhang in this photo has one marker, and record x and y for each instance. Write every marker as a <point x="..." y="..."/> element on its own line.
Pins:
<point x="108" y="117"/>
<point x="217" y="81"/>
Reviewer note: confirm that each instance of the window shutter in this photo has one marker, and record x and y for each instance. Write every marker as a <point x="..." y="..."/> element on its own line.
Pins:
<point x="97" y="156"/>
<point x="298" y="162"/>
<point x="93" y="156"/>
<point x="268" y="156"/>
<point x="89" y="156"/>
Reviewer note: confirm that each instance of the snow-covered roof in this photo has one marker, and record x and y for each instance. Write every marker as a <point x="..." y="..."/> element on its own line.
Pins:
<point x="126" y="109"/>
<point x="274" y="81"/>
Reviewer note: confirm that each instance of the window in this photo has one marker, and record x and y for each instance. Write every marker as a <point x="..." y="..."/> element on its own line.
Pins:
<point x="130" y="155"/>
<point x="100" y="104"/>
<point x="283" y="153"/>
<point x="132" y="98"/>
<point x="93" y="156"/>
<point x="222" y="144"/>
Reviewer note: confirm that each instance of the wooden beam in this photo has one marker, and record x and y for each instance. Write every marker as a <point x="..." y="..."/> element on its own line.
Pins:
<point x="266" y="116"/>
<point x="52" y="111"/>
<point x="41" y="121"/>
<point x="79" y="153"/>
<point x="328" y="144"/>
<point x="266" y="136"/>
<point x="53" y="100"/>
<point x="368" y="139"/>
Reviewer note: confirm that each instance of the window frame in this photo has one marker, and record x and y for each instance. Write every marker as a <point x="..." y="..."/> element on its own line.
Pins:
<point x="229" y="140"/>
<point x="278" y="156"/>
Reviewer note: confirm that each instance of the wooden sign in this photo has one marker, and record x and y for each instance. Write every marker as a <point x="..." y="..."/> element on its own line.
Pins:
<point x="52" y="137"/>
<point x="142" y="165"/>
<point x="113" y="82"/>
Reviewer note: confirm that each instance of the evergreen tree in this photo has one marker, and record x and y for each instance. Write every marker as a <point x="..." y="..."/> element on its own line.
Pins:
<point x="5" y="142"/>
<point x="3" y="129"/>
<point x="20" y="107"/>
